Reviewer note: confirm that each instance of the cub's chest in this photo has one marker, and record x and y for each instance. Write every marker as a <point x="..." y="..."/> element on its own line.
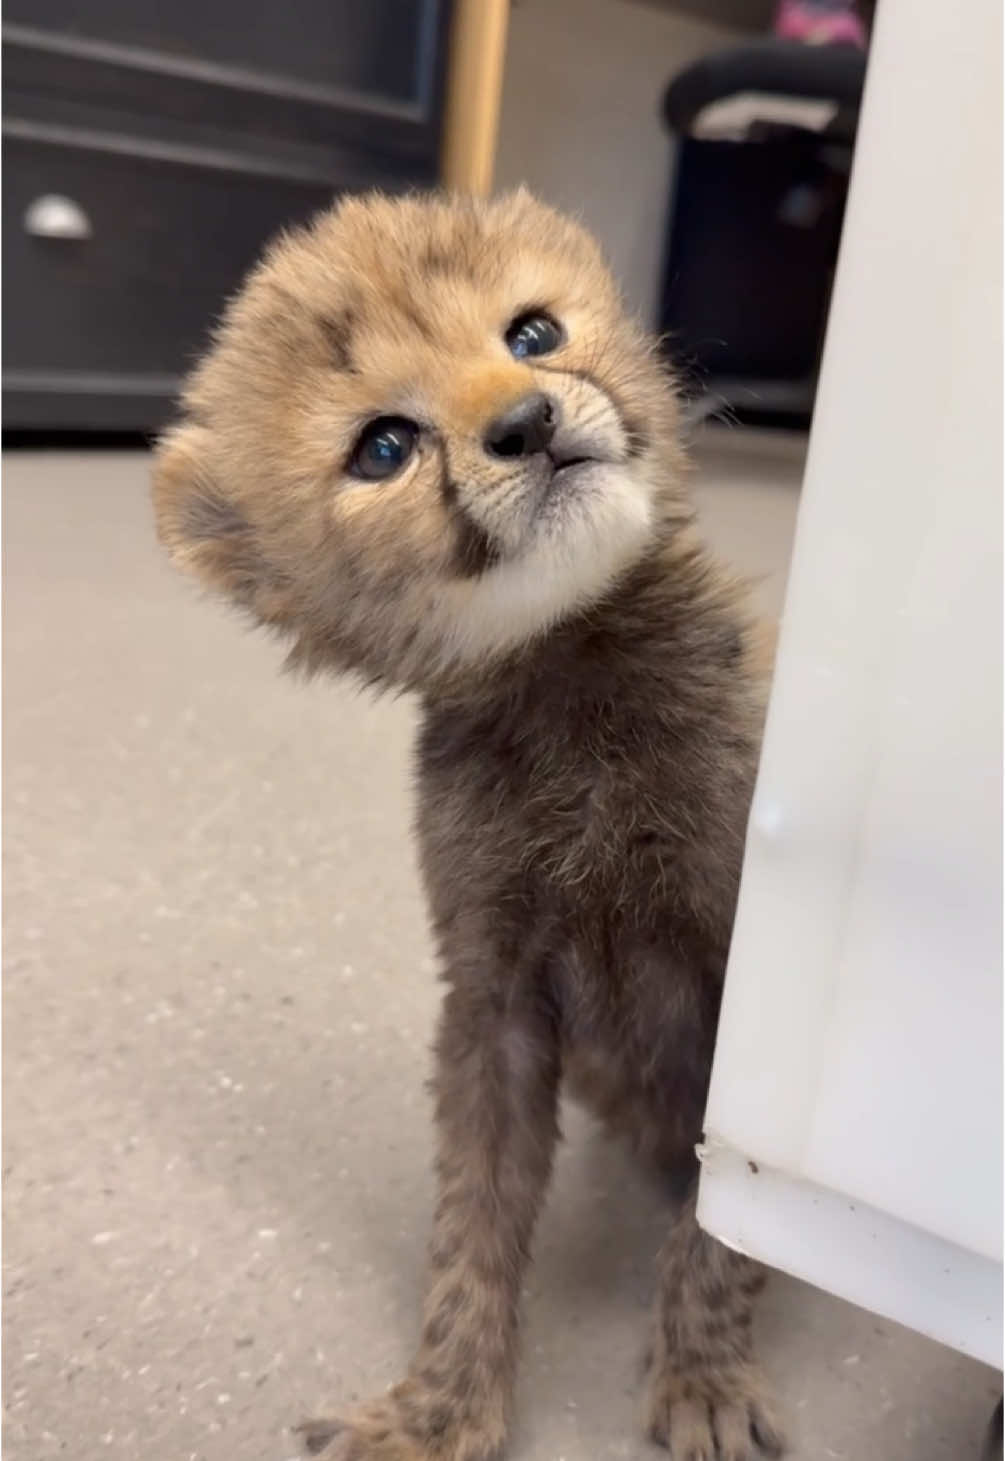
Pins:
<point x="564" y="808"/>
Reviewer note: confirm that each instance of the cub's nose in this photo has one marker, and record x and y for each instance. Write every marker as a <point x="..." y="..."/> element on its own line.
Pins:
<point x="527" y="427"/>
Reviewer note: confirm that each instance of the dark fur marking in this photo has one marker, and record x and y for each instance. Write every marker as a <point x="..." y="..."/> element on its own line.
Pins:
<point x="716" y="1294"/>
<point x="440" y="1324"/>
<point x="638" y="438"/>
<point x="473" y="550"/>
<point x="209" y="516"/>
<point x="338" y="336"/>
<point x="732" y="653"/>
<point x="438" y="1421"/>
<point x="406" y="307"/>
<point x="445" y="1250"/>
<point x="465" y="1379"/>
<point x="437" y="260"/>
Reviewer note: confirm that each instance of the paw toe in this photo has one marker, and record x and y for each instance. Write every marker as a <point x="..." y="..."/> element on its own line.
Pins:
<point x="715" y="1422"/>
<point x="368" y="1437"/>
<point x="318" y="1434"/>
<point x="766" y="1430"/>
<point x="733" y="1432"/>
<point x="689" y="1432"/>
<point x="684" y="1428"/>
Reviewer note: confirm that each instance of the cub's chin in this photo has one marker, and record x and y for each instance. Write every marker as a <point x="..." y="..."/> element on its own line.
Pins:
<point x="594" y="523"/>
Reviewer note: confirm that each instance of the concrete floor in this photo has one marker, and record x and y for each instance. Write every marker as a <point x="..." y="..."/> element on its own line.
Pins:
<point x="218" y="998"/>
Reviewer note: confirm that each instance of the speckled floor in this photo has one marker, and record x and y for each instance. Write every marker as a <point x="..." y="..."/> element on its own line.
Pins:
<point x="218" y="997"/>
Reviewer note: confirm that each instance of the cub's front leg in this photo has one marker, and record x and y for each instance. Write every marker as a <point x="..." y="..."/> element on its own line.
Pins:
<point x="496" y="1085"/>
<point x="707" y="1399"/>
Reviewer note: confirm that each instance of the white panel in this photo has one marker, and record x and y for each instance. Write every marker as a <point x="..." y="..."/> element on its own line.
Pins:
<point x="876" y="1261"/>
<point x="860" y="1043"/>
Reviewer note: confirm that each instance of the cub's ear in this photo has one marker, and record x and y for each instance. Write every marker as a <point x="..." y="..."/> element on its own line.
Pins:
<point x="202" y="526"/>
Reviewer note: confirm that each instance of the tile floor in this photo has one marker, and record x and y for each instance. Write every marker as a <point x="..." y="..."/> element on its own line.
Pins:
<point x="218" y="997"/>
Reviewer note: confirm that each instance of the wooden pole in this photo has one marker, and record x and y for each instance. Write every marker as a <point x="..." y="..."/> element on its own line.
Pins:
<point x="474" y="93"/>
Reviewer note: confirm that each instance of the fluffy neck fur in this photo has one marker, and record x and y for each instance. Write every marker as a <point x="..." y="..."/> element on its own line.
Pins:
<point x="673" y="634"/>
<point x="622" y="746"/>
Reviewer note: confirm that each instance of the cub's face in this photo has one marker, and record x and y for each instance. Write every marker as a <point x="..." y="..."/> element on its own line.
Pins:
<point x="425" y="433"/>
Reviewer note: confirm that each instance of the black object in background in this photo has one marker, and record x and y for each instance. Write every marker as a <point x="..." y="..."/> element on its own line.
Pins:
<point x="754" y="230"/>
<point x="150" y="152"/>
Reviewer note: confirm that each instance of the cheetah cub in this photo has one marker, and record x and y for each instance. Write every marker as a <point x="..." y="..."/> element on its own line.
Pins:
<point x="428" y="448"/>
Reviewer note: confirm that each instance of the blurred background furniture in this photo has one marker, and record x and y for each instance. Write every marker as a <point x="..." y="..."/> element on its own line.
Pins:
<point x="150" y="151"/>
<point x="767" y="131"/>
<point x="150" y="156"/>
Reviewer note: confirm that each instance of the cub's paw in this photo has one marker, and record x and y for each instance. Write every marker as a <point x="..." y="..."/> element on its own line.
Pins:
<point x="402" y="1426"/>
<point x="373" y="1434"/>
<point x="714" y="1415"/>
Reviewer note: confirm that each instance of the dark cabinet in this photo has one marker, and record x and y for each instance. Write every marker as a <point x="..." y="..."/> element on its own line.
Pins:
<point x="150" y="153"/>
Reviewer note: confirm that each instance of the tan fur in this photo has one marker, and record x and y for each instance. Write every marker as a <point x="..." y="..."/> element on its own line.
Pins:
<point x="481" y="395"/>
<point x="763" y="648"/>
<point x="591" y="715"/>
<point x="420" y="294"/>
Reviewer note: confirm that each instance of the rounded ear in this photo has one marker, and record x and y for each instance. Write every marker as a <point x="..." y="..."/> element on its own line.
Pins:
<point x="202" y="527"/>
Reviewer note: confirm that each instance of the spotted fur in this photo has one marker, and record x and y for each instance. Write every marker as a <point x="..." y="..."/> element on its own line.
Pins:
<point x="591" y="716"/>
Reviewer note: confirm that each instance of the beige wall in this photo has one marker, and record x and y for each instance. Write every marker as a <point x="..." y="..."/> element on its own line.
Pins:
<point x="581" y="119"/>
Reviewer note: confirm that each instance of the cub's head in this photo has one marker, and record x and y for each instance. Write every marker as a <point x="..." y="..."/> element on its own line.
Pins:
<point x="425" y="433"/>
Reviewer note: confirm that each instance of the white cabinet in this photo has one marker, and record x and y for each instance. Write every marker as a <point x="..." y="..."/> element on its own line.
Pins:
<point x="854" y="1127"/>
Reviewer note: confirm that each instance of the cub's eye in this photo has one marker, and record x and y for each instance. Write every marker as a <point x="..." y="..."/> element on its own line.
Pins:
<point x="534" y="334"/>
<point x="383" y="448"/>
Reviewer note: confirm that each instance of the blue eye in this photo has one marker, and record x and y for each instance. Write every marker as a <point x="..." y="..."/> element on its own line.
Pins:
<point x="534" y="334"/>
<point x="383" y="448"/>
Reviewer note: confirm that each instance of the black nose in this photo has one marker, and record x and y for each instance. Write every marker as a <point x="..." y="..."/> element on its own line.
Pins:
<point x="527" y="427"/>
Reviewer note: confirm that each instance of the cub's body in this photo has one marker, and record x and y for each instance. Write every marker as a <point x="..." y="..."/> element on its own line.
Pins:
<point x="428" y="448"/>
<point x="591" y="823"/>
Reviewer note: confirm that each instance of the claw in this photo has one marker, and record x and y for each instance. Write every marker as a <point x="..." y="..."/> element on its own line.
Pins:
<point x="317" y="1434"/>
